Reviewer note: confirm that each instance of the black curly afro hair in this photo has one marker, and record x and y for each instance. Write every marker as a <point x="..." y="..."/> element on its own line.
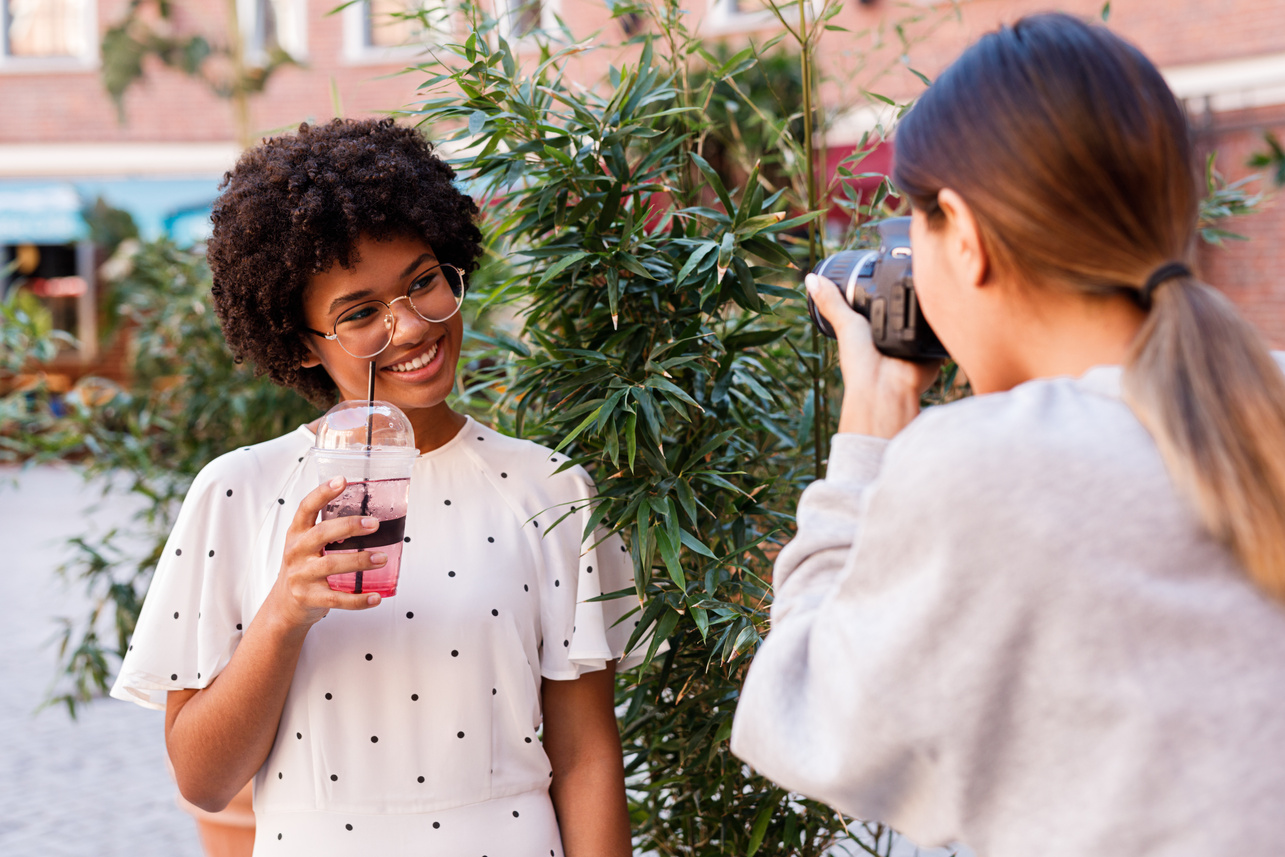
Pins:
<point x="298" y="204"/>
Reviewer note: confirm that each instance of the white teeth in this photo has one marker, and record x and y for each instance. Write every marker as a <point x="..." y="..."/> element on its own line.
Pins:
<point x="418" y="363"/>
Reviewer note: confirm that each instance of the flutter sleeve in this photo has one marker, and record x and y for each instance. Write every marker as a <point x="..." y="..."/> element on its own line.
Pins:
<point x="191" y="619"/>
<point x="581" y="635"/>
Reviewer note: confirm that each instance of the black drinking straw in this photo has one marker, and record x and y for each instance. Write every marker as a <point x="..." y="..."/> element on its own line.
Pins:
<point x="370" y="430"/>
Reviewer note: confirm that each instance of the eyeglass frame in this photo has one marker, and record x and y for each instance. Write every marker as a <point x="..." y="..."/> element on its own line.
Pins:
<point x="333" y="336"/>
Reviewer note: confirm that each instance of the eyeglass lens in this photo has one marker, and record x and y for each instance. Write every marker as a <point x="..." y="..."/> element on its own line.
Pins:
<point x="366" y="329"/>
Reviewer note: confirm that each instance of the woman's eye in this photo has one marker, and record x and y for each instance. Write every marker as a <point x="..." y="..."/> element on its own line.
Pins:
<point x="357" y="315"/>
<point x="427" y="281"/>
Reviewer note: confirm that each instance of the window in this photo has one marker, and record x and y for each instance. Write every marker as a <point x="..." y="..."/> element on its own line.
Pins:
<point x="519" y="19"/>
<point x="730" y="16"/>
<point x="47" y="33"/>
<point x="272" y="27"/>
<point x="59" y="278"/>
<point x="390" y="30"/>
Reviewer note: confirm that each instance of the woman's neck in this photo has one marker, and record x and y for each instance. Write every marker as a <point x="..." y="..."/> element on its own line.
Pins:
<point x="436" y="426"/>
<point x="1059" y="335"/>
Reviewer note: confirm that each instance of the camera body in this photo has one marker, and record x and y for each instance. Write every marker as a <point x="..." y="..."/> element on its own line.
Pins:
<point x="878" y="284"/>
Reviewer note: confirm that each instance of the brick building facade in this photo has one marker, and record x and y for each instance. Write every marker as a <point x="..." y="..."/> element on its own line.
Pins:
<point x="60" y="126"/>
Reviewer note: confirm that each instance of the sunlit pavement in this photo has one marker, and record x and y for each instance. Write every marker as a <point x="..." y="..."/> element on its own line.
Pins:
<point x="95" y="786"/>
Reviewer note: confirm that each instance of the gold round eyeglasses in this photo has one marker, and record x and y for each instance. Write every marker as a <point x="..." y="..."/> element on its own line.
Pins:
<point x="367" y="328"/>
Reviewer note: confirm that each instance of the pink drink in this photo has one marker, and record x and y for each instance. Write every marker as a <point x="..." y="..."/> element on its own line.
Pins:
<point x="386" y="500"/>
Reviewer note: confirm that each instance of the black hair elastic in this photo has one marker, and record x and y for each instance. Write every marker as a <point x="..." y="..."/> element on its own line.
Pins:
<point x="1164" y="273"/>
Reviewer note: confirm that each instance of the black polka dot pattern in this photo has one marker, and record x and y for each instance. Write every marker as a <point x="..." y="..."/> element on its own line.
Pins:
<point x="464" y="597"/>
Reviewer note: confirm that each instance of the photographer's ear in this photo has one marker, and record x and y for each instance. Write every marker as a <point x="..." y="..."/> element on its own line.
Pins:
<point x="963" y="241"/>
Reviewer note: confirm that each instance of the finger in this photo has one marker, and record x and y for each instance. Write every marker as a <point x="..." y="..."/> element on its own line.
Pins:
<point x="349" y="600"/>
<point x="345" y="563"/>
<point x="336" y="530"/>
<point x="310" y="507"/>
<point x="830" y="302"/>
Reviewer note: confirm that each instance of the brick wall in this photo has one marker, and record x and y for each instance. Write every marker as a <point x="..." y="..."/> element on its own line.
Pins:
<point x="167" y="107"/>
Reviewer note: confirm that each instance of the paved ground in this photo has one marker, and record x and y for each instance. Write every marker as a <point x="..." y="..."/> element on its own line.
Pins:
<point x="97" y="786"/>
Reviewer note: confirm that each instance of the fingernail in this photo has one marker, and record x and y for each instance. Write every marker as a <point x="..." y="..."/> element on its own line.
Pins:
<point x="337" y="482"/>
<point x="379" y="558"/>
<point x="372" y="599"/>
<point x="370" y="523"/>
<point x="810" y="282"/>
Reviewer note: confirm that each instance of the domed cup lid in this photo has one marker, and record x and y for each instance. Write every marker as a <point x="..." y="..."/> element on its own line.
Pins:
<point x="346" y="427"/>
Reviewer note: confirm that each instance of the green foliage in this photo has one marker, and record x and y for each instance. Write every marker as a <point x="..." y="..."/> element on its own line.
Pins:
<point x="1273" y="159"/>
<point x="26" y="333"/>
<point x="665" y="348"/>
<point x="189" y="402"/>
<point x="147" y="30"/>
<point x="1223" y="201"/>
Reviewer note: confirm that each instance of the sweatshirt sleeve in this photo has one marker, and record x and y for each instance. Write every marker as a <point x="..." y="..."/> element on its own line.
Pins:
<point x="861" y="681"/>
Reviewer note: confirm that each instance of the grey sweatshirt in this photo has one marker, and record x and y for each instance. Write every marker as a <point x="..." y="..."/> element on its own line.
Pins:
<point x="1005" y="628"/>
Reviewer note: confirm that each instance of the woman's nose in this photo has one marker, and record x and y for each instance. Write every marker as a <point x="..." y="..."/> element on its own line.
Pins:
<point x="408" y="326"/>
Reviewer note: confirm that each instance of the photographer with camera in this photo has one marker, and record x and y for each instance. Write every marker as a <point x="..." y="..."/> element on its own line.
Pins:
<point x="1047" y="619"/>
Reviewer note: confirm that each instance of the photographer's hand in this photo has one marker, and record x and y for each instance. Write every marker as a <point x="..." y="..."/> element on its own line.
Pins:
<point x="880" y="394"/>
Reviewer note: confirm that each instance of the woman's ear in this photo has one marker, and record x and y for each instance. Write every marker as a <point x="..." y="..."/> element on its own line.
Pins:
<point x="310" y="358"/>
<point x="964" y="247"/>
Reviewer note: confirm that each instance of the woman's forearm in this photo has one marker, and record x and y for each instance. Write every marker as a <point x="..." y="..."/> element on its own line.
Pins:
<point x="582" y="742"/>
<point x="219" y="736"/>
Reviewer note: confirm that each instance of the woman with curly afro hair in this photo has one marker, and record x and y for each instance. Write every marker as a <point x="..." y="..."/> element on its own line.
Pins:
<point x="471" y="715"/>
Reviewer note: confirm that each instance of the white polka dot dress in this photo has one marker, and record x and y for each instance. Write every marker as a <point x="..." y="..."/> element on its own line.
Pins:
<point x="411" y="728"/>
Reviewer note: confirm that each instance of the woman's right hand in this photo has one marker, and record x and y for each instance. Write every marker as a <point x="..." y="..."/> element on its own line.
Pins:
<point x="880" y="393"/>
<point x="301" y="596"/>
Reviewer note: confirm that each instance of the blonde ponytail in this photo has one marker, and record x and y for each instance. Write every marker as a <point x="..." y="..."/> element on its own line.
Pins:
<point x="1202" y="381"/>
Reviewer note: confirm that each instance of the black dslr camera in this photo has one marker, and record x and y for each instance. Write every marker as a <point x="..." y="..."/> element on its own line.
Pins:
<point x="877" y="284"/>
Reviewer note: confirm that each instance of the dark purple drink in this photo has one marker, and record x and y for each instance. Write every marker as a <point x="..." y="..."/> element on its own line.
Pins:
<point x="386" y="500"/>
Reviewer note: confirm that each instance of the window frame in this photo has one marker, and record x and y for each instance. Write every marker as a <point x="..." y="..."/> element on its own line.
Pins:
<point x="292" y="35"/>
<point x="721" y="20"/>
<point x="549" y="10"/>
<point x="87" y="60"/>
<point x="357" y="49"/>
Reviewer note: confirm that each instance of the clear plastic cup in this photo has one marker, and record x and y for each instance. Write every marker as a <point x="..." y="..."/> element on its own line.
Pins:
<point x="371" y="445"/>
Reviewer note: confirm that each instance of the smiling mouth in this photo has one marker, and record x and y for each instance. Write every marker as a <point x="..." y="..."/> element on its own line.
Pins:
<point x="417" y="363"/>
